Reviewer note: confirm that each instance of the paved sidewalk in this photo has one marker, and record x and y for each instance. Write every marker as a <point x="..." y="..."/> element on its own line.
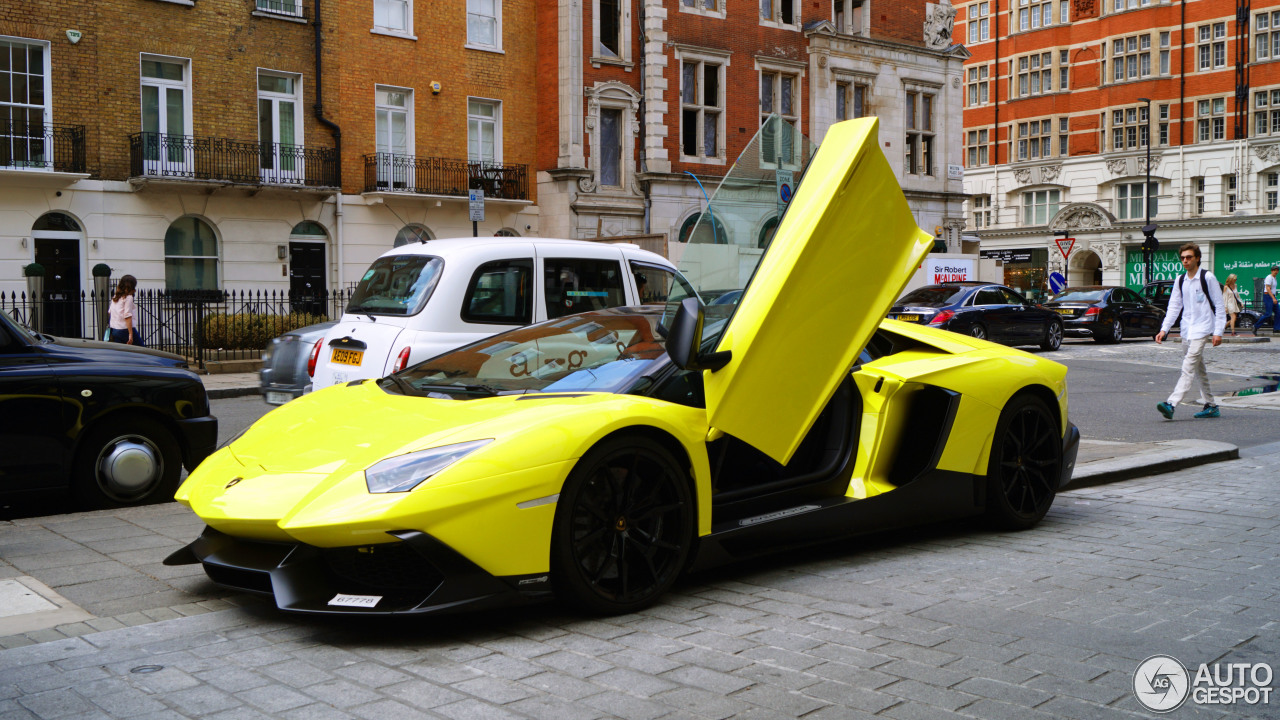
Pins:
<point x="229" y="385"/>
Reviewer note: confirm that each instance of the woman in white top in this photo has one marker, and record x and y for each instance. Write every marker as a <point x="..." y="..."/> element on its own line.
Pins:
<point x="122" y="312"/>
<point x="1231" y="299"/>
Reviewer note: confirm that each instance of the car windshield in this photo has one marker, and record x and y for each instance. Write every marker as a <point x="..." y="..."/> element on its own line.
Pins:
<point x="933" y="296"/>
<point x="396" y="285"/>
<point x="17" y="328"/>
<point x="604" y="351"/>
<point x="1072" y="295"/>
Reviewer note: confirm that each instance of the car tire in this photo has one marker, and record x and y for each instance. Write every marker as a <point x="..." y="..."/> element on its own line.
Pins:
<point x="1115" y="333"/>
<point x="1244" y="322"/>
<point x="624" y="527"/>
<point x="1025" y="465"/>
<point x="1052" y="336"/>
<point x="978" y="331"/>
<point x="125" y="462"/>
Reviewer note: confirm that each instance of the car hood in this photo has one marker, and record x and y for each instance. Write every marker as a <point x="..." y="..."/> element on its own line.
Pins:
<point x="116" y="353"/>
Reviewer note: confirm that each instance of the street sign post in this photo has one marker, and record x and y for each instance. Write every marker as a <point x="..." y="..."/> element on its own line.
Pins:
<point x="786" y="188"/>
<point x="1065" y="245"/>
<point x="1149" y="247"/>
<point x="475" y="198"/>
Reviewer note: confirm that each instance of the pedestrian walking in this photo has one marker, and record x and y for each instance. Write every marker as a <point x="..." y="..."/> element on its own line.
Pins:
<point x="122" y="312"/>
<point x="1197" y="300"/>
<point x="1231" y="298"/>
<point x="1269" y="302"/>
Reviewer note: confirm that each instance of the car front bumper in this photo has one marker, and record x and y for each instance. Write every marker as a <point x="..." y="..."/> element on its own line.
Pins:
<point x="415" y="574"/>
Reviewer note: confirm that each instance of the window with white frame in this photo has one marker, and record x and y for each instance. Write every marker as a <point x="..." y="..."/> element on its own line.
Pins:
<point x="1130" y="128"/>
<point x="1130" y="58"/>
<point x="1122" y="5"/>
<point x="484" y="131"/>
<point x="979" y="91"/>
<point x="713" y="8"/>
<point x="780" y="12"/>
<point x="1229" y="193"/>
<point x="1164" y="124"/>
<point x="1211" y="48"/>
<point x="609" y="164"/>
<point x="1033" y="14"/>
<point x="979" y="27"/>
<point x="25" y="104"/>
<point x="190" y="255"/>
<point x="920" y="133"/>
<point x="393" y="136"/>
<point x="279" y="124"/>
<point x="1266" y="112"/>
<point x="1035" y="139"/>
<point x="851" y="100"/>
<point x="611" y="33"/>
<point x="1270" y="182"/>
<point x="1038" y="206"/>
<point x="976" y="143"/>
<point x="1210" y="123"/>
<point x="1129" y="200"/>
<point x="1064" y="69"/>
<point x="1266" y="36"/>
<point x="779" y="95"/>
<point x="1197" y="193"/>
<point x="702" y="96"/>
<point x="484" y="23"/>
<point x="848" y="16"/>
<point x="1034" y="74"/>
<point x="166" y="113"/>
<point x="981" y="208"/>
<point x="280" y="7"/>
<point x="1063" y="137"/>
<point x="1164" y="53"/>
<point x="393" y="15"/>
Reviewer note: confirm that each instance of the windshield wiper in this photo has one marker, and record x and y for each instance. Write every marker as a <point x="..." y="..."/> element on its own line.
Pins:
<point x="486" y="390"/>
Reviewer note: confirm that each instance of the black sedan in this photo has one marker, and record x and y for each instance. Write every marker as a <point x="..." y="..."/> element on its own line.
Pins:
<point x="113" y="424"/>
<point x="1106" y="314"/>
<point x="983" y="310"/>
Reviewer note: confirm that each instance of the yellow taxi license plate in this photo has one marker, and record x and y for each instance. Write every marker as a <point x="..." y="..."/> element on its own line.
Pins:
<point x="1066" y="311"/>
<point x="908" y="318"/>
<point x="347" y="357"/>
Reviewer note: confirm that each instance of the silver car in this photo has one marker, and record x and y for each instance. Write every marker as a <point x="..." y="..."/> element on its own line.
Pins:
<point x="284" y="373"/>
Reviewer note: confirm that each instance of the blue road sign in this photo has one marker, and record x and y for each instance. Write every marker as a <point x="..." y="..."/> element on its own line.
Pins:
<point x="1057" y="282"/>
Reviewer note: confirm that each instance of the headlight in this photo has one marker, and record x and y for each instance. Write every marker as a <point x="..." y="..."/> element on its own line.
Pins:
<point x="406" y="472"/>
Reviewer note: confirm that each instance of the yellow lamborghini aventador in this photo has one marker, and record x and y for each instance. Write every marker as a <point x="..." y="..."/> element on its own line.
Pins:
<point x="595" y="457"/>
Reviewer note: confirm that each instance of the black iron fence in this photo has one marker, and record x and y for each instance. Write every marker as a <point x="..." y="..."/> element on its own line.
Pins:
<point x="204" y="326"/>
<point x="44" y="146"/>
<point x="444" y="176"/>
<point x="253" y="163"/>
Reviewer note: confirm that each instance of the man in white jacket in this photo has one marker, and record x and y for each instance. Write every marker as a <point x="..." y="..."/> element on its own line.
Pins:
<point x="1197" y="298"/>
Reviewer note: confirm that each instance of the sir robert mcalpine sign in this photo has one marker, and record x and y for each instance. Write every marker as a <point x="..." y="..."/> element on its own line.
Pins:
<point x="942" y="270"/>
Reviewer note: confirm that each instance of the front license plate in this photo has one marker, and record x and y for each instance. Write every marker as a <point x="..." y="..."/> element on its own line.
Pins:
<point x="347" y="357"/>
<point x="278" y="398"/>
<point x="1066" y="311"/>
<point x="362" y="601"/>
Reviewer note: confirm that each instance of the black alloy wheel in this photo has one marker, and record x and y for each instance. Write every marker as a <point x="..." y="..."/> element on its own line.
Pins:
<point x="1025" y="466"/>
<point x="624" y="527"/>
<point x="126" y="461"/>
<point x="1115" y="333"/>
<point x="978" y="331"/>
<point x="1052" y="336"/>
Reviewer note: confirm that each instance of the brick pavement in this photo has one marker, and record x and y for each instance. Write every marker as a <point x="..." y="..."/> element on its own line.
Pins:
<point x="950" y="621"/>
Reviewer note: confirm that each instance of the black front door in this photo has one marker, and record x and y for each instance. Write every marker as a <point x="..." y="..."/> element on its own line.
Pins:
<point x="306" y="277"/>
<point x="61" y="308"/>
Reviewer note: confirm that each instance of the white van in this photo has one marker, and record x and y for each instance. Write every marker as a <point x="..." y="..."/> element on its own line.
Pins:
<point x="420" y="300"/>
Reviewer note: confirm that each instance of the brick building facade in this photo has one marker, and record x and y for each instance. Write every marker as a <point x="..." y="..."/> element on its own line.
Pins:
<point x="1066" y="100"/>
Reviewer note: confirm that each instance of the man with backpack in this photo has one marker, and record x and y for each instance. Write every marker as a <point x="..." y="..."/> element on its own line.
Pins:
<point x="1269" y="302"/>
<point x="1197" y="300"/>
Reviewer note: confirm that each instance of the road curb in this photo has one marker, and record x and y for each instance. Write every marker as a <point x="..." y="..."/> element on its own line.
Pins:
<point x="232" y="392"/>
<point x="1162" y="457"/>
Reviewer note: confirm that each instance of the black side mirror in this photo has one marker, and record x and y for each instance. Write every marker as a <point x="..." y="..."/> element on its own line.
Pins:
<point x="685" y="338"/>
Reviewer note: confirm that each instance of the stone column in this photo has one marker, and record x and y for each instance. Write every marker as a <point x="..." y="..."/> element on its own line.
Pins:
<point x="655" y="87"/>
<point x="570" y="53"/>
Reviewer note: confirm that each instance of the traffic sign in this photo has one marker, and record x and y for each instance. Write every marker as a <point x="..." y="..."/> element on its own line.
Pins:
<point x="1065" y="245"/>
<point x="476" y="199"/>
<point x="785" y="180"/>
<point x="1057" y="282"/>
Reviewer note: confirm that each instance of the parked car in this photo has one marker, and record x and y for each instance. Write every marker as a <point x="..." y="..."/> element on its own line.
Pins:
<point x="983" y="310"/>
<point x="286" y="363"/>
<point x="596" y="457"/>
<point x="1105" y="313"/>
<point x="420" y="300"/>
<point x="1158" y="293"/>
<point x="113" y="424"/>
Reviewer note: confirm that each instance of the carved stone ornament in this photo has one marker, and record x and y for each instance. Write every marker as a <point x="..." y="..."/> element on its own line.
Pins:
<point x="1081" y="216"/>
<point x="938" y="23"/>
<point x="1267" y="153"/>
<point x="1049" y="173"/>
<point x="1111" y="256"/>
<point x="587" y="184"/>
<point x="1022" y="175"/>
<point x="1142" y="164"/>
<point x="1084" y="8"/>
<point x="1118" y="166"/>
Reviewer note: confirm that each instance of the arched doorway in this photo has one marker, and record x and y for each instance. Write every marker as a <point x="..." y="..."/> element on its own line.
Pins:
<point x="1085" y="269"/>
<point x="307" y="286"/>
<point x="57" y="239"/>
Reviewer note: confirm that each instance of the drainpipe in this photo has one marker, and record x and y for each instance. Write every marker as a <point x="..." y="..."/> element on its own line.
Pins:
<point x="318" y="108"/>
<point x="1182" y="99"/>
<point x="644" y="156"/>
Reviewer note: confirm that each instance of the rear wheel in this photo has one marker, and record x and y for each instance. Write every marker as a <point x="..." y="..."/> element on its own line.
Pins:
<point x="132" y="461"/>
<point x="1115" y="333"/>
<point x="624" y="527"/>
<point x="978" y="331"/>
<point x="1052" y="336"/>
<point x="1244" y="322"/>
<point x="1025" y="465"/>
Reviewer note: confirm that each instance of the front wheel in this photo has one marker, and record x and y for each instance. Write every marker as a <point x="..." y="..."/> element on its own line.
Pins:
<point x="1025" y="465"/>
<point x="624" y="527"/>
<point x="134" y="461"/>
<point x="1244" y="322"/>
<point x="1052" y="336"/>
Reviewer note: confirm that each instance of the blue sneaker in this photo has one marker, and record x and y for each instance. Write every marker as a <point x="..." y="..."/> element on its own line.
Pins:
<point x="1165" y="409"/>
<point x="1209" y="411"/>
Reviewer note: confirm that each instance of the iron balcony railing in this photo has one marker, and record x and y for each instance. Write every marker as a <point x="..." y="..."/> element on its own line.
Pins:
<point x="387" y="172"/>
<point x="237" y="161"/>
<point x="288" y="8"/>
<point x="42" y="146"/>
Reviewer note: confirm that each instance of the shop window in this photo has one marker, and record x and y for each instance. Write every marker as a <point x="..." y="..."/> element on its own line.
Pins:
<point x="190" y="255"/>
